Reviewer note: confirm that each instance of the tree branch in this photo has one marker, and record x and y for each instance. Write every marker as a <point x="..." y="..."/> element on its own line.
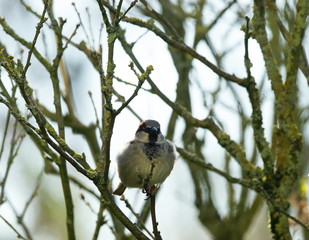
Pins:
<point x="37" y="33"/>
<point x="257" y="118"/>
<point x="198" y="161"/>
<point x="180" y="45"/>
<point x="14" y="229"/>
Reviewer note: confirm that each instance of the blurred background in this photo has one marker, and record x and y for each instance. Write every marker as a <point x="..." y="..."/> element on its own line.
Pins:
<point x="192" y="203"/>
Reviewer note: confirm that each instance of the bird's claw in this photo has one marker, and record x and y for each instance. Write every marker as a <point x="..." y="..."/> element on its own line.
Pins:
<point x="150" y="191"/>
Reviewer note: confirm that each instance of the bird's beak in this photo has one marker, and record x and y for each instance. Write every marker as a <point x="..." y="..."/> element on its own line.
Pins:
<point x="153" y="134"/>
<point x="154" y="130"/>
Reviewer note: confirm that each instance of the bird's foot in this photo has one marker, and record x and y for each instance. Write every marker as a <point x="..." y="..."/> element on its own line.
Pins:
<point x="150" y="191"/>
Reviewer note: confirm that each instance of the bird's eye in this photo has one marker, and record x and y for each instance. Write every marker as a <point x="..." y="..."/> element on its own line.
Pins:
<point x="152" y="130"/>
<point x="148" y="129"/>
<point x="141" y="127"/>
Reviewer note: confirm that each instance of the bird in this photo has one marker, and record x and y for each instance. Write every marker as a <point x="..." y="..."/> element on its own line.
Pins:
<point x="147" y="160"/>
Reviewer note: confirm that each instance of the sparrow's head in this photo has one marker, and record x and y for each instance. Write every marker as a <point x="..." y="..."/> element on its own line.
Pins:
<point x="149" y="132"/>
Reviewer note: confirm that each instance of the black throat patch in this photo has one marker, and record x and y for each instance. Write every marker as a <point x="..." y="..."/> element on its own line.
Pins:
<point x="153" y="137"/>
<point x="152" y="150"/>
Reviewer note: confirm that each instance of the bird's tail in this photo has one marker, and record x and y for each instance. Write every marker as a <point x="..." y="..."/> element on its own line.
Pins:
<point x="120" y="189"/>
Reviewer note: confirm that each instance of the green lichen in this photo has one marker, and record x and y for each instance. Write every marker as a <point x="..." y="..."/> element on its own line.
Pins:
<point x="112" y="37"/>
<point x="92" y="173"/>
<point x="146" y="74"/>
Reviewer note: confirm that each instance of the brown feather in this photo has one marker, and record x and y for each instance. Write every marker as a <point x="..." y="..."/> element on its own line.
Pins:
<point x="120" y="189"/>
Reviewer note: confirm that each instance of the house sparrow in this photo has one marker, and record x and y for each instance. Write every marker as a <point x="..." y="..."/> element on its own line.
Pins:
<point x="147" y="160"/>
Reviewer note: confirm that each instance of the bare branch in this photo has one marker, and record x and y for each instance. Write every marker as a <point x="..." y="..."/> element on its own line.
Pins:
<point x="37" y="33"/>
<point x="12" y="227"/>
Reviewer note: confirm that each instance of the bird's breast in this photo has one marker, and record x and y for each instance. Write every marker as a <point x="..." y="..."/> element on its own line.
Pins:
<point x="153" y="150"/>
<point x="141" y="161"/>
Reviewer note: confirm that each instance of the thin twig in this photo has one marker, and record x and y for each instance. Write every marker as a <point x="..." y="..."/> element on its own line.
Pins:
<point x="100" y="221"/>
<point x="62" y="153"/>
<point x="20" y="221"/>
<point x="37" y="33"/>
<point x="20" y="218"/>
<point x="25" y="43"/>
<point x="81" y="22"/>
<point x="6" y="127"/>
<point x="162" y="20"/>
<point x="112" y="206"/>
<point x="29" y="9"/>
<point x="90" y="27"/>
<point x="196" y="160"/>
<point x="153" y="217"/>
<point x="14" y="148"/>
<point x="130" y="84"/>
<point x="141" y="79"/>
<point x="139" y="221"/>
<point x="70" y="38"/>
<point x="77" y="182"/>
<point x="126" y="11"/>
<point x="14" y="229"/>
<point x="116" y="19"/>
<point x="121" y="98"/>
<point x="33" y="195"/>
<point x="29" y="129"/>
<point x="95" y="113"/>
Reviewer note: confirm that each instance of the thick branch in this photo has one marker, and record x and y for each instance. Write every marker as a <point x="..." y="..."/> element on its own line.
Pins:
<point x="260" y="34"/>
<point x="257" y="119"/>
